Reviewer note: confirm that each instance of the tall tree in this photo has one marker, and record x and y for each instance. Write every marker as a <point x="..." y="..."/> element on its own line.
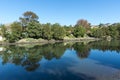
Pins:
<point x="28" y="16"/>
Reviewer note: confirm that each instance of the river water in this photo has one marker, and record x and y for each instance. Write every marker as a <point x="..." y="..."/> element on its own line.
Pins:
<point x="98" y="60"/>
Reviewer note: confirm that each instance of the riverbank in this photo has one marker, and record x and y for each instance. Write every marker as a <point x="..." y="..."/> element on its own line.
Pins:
<point x="42" y="41"/>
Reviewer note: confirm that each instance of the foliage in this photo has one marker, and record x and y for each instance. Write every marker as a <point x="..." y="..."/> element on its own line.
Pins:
<point x="15" y="32"/>
<point x="29" y="27"/>
<point x="16" y="29"/>
<point x="79" y="31"/>
<point x="69" y="30"/>
<point x="28" y="16"/>
<point x="58" y="32"/>
<point x="34" y="30"/>
<point x="113" y="32"/>
<point x="47" y="32"/>
<point x="3" y="30"/>
<point x="97" y="33"/>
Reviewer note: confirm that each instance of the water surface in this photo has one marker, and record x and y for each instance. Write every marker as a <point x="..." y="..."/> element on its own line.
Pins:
<point x="61" y="61"/>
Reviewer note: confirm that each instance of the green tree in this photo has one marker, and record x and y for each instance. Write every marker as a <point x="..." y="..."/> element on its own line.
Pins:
<point x="119" y="31"/>
<point x="47" y="32"/>
<point x="106" y="31"/>
<point x="79" y="31"/>
<point x="15" y="32"/>
<point x="3" y="30"/>
<point x="58" y="32"/>
<point x="34" y="30"/>
<point x="69" y="30"/>
<point x="113" y="32"/>
<point x="16" y="28"/>
<point x="117" y="25"/>
<point x="28" y="16"/>
<point x="97" y="33"/>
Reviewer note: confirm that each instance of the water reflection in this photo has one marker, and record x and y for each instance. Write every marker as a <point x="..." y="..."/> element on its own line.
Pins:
<point x="82" y="49"/>
<point x="62" y="61"/>
<point x="113" y="45"/>
<point x="29" y="57"/>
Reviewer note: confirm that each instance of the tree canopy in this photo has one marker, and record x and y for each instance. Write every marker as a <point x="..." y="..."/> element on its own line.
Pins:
<point x="28" y="16"/>
<point x="30" y="27"/>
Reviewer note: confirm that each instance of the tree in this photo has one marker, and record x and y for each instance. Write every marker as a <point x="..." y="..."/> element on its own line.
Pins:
<point x="79" y="31"/>
<point x="69" y="30"/>
<point x="34" y="30"/>
<point x="3" y="30"/>
<point x="16" y="27"/>
<point x="47" y="32"/>
<point x="28" y="16"/>
<point x="58" y="32"/>
<point x="97" y="33"/>
<point x="113" y="32"/>
<point x="15" y="32"/>
<point x="117" y="25"/>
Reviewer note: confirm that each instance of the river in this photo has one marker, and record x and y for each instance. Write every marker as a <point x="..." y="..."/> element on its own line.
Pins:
<point x="98" y="60"/>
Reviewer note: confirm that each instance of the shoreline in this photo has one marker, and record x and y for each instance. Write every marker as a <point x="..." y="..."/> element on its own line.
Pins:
<point x="51" y="41"/>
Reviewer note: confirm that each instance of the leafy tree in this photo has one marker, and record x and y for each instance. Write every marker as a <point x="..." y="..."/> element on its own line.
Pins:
<point x="47" y="32"/>
<point x="69" y="30"/>
<point x="34" y="30"/>
<point x="79" y="31"/>
<point x="15" y="32"/>
<point x="97" y="33"/>
<point x="117" y="25"/>
<point x="58" y="32"/>
<point x="118" y="31"/>
<point x="113" y="32"/>
<point x="28" y="16"/>
<point x="3" y="30"/>
<point x="16" y="28"/>
<point x="106" y="31"/>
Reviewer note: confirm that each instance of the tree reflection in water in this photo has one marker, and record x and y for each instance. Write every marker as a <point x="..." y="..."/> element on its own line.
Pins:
<point x="29" y="57"/>
<point x="113" y="45"/>
<point x="82" y="49"/>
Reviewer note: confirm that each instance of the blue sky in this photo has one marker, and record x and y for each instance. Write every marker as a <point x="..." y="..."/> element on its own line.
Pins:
<point x="62" y="11"/>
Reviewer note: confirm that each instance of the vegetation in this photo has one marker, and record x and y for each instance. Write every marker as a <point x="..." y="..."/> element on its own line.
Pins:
<point x="58" y="31"/>
<point x="79" y="31"/>
<point x="107" y="31"/>
<point x="29" y="27"/>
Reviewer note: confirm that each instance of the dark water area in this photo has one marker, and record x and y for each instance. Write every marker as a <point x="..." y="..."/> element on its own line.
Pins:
<point x="98" y="60"/>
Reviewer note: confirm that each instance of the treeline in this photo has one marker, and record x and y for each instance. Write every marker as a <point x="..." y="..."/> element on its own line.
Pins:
<point x="107" y="31"/>
<point x="28" y="26"/>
